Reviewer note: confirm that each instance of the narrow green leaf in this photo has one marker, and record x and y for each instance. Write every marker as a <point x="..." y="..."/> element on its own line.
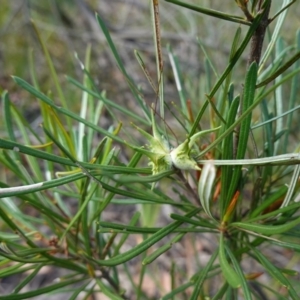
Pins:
<point x="268" y="201"/>
<point x="42" y="291"/>
<point x="276" y="63"/>
<point x="32" y="188"/>
<point x="288" y="212"/>
<point x="229" y="87"/>
<point x="227" y="153"/>
<point x="293" y="93"/>
<point x="132" y="86"/>
<point x="7" y="116"/>
<point x="26" y="260"/>
<point x="79" y="290"/>
<point x="283" y="243"/>
<point x="8" y="160"/>
<point x="228" y="69"/>
<point x="148" y="196"/>
<point x="272" y="77"/>
<point x="85" y="199"/>
<point x="124" y="237"/>
<point x="176" y="291"/>
<point x="276" y="160"/>
<point x="273" y="292"/>
<point x="208" y="58"/>
<point x="5" y="144"/>
<point x="145" y="70"/>
<point x="26" y="86"/>
<point x="247" y="101"/>
<point x="229" y="273"/>
<point x="211" y="12"/>
<point x="155" y="254"/>
<point x="267" y="229"/>
<point x="24" y="282"/>
<point x="199" y="222"/>
<point x="292" y="187"/>
<point x="52" y="70"/>
<point x="121" y="258"/>
<point x="268" y="132"/>
<point x="276" y="273"/>
<point x="12" y="114"/>
<point x="237" y="267"/>
<point x="9" y="270"/>
<point x="269" y="120"/>
<point x="198" y="284"/>
<point x="108" y="102"/>
<point x="258" y="99"/>
<point x="274" y="37"/>
<point x="289" y="272"/>
<point x="85" y="103"/>
<point x="144" y="179"/>
<point x="107" y="292"/>
<point x="177" y="76"/>
<point x="221" y="292"/>
<point x="153" y="230"/>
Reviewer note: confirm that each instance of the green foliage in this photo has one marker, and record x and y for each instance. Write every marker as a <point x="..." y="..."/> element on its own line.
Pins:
<point x="68" y="178"/>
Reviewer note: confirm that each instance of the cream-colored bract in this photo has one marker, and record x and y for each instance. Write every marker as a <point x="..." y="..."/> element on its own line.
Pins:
<point x="163" y="157"/>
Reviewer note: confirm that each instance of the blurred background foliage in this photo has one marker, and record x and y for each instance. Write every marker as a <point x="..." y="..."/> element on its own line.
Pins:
<point x="68" y="26"/>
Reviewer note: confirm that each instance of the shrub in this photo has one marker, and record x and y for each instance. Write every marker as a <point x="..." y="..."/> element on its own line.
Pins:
<point x="229" y="176"/>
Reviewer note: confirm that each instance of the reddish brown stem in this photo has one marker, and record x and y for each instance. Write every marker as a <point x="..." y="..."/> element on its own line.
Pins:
<point x="258" y="37"/>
